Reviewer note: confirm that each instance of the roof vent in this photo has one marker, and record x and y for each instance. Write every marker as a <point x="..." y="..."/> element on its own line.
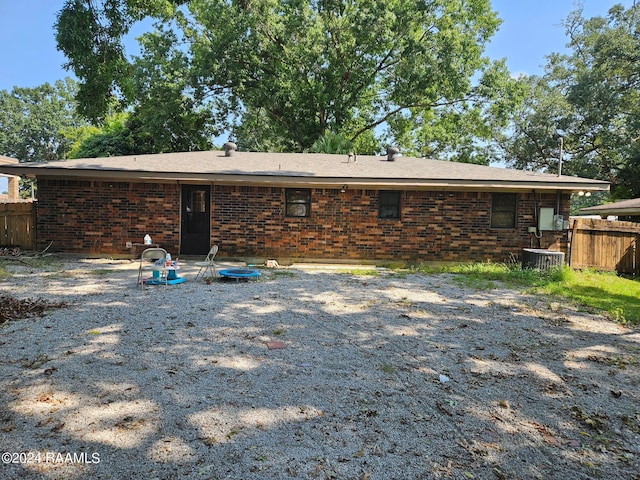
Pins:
<point x="392" y="153"/>
<point x="229" y="148"/>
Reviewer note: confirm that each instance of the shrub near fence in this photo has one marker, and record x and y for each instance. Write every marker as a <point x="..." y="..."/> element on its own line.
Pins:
<point x="605" y="245"/>
<point x="18" y="225"/>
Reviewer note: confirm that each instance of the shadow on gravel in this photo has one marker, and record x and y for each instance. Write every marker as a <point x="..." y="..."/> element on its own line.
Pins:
<point x="315" y="375"/>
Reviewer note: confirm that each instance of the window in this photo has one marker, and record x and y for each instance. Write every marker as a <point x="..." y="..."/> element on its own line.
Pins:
<point x="503" y="210"/>
<point x="389" y="205"/>
<point x="198" y="202"/>
<point x="298" y="202"/>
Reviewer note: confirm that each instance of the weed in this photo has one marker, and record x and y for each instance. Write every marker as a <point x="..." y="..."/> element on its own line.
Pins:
<point x="632" y="421"/>
<point x="102" y="271"/>
<point x="282" y="273"/>
<point x="3" y="272"/>
<point x="364" y="272"/>
<point x="387" y="368"/>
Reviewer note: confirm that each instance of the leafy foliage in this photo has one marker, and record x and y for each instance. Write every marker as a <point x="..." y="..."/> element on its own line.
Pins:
<point x="591" y="98"/>
<point x="90" y="33"/>
<point x="282" y="75"/>
<point x="332" y="143"/>
<point x="34" y="122"/>
<point x="110" y="140"/>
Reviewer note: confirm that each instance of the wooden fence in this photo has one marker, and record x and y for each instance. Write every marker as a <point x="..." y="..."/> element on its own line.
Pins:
<point x="605" y="245"/>
<point x="18" y="225"/>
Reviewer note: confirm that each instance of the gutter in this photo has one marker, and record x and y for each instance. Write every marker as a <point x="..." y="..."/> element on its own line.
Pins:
<point x="309" y="181"/>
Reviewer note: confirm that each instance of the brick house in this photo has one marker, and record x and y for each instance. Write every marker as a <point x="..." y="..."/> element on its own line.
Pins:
<point x="300" y="206"/>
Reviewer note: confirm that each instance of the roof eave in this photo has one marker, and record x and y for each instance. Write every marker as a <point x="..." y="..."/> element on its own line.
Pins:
<point x="309" y="181"/>
<point x="610" y="211"/>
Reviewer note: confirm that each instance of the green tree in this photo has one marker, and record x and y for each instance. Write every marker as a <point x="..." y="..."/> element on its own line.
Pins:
<point x="284" y="74"/>
<point x="90" y="33"/>
<point x="312" y="68"/>
<point x="110" y="140"/>
<point x="34" y="121"/>
<point x="167" y="117"/>
<point x="533" y="143"/>
<point x="591" y="98"/>
<point x="332" y="143"/>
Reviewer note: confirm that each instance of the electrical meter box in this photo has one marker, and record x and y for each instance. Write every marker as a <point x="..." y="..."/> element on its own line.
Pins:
<point x="546" y="221"/>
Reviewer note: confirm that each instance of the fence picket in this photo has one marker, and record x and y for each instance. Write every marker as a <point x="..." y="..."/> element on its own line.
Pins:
<point x="18" y="225"/>
<point x="605" y="245"/>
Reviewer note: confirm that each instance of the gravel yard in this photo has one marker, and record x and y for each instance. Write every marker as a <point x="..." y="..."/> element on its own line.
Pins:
<point x="310" y="373"/>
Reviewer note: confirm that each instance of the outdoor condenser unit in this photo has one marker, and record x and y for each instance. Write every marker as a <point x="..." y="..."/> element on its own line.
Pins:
<point x="541" y="259"/>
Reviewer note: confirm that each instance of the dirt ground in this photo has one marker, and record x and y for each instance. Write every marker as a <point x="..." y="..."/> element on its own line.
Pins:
<point x="310" y="373"/>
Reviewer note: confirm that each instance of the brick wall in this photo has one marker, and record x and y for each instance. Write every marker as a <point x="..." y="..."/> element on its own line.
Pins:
<point x="448" y="226"/>
<point x="99" y="217"/>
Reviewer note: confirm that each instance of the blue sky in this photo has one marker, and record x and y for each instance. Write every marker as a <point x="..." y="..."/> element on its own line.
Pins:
<point x="531" y="29"/>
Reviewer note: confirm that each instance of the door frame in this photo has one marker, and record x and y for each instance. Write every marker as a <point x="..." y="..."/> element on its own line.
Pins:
<point x="196" y="248"/>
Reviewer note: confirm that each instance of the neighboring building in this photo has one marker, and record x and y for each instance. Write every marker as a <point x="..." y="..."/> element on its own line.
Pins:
<point x="625" y="210"/>
<point x="12" y="194"/>
<point x="300" y="206"/>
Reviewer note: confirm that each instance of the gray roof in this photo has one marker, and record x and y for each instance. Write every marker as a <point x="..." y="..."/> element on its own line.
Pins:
<point x="623" y="207"/>
<point x="304" y="169"/>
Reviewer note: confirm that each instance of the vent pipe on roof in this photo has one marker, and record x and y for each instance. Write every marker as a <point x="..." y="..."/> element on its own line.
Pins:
<point x="229" y="148"/>
<point x="392" y="153"/>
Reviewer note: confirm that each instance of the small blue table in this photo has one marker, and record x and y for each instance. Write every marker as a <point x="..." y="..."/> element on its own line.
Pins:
<point x="172" y="278"/>
<point x="239" y="273"/>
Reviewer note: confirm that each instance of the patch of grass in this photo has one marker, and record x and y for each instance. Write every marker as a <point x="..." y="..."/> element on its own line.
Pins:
<point x="102" y="271"/>
<point x="364" y="272"/>
<point x="387" y="368"/>
<point x="619" y="297"/>
<point x="282" y="273"/>
<point x="3" y="272"/>
<point x="615" y="296"/>
<point x="47" y="262"/>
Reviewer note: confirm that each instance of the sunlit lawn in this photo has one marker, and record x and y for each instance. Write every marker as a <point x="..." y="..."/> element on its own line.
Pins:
<point x="615" y="296"/>
<point x="618" y="296"/>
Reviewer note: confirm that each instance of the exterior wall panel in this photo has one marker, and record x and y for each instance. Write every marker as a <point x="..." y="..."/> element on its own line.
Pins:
<point x="97" y="217"/>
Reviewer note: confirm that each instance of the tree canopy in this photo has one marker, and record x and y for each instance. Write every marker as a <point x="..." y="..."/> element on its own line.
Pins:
<point x="286" y="73"/>
<point x="35" y="123"/>
<point x="591" y="98"/>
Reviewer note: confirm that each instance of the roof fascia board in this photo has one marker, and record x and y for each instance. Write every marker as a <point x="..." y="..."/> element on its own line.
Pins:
<point x="324" y="182"/>
<point x="611" y="211"/>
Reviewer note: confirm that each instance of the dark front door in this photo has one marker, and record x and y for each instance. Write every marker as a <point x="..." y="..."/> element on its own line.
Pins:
<point x="196" y="215"/>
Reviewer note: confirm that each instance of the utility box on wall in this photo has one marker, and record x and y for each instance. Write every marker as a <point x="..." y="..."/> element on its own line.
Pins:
<point x="546" y="221"/>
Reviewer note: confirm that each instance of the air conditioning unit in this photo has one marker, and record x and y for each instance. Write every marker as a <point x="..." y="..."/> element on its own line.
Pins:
<point x="541" y="259"/>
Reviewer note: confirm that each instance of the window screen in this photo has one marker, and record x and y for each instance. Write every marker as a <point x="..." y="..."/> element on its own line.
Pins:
<point x="298" y="202"/>
<point x="389" y="205"/>
<point x="503" y="210"/>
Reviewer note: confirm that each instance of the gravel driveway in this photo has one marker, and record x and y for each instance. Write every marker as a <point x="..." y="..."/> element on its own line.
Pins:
<point x="310" y="374"/>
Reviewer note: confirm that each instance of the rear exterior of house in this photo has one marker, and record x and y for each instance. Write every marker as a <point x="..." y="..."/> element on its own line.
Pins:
<point x="300" y="207"/>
